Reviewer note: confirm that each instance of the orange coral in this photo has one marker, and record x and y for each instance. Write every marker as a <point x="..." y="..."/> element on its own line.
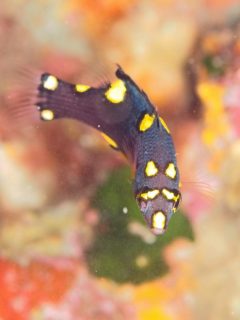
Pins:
<point x="216" y="124"/>
<point x="217" y="128"/>
<point x="98" y="15"/>
<point x="170" y="297"/>
<point x="25" y="287"/>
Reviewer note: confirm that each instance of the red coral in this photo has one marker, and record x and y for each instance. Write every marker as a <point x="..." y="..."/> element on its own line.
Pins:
<point x="24" y="288"/>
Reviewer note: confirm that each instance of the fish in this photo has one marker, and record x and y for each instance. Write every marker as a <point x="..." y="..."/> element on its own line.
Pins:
<point x="130" y="124"/>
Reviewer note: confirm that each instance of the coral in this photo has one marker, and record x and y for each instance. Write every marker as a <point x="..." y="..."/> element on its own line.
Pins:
<point x="215" y="261"/>
<point x="123" y="248"/>
<point x="50" y="232"/>
<point x="20" y="286"/>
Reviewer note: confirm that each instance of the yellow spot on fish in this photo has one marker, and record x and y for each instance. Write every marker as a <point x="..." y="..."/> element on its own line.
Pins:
<point x="47" y="115"/>
<point x="81" y="87"/>
<point x="50" y="83"/>
<point x="109" y="140"/>
<point x="151" y="169"/>
<point x="159" y="220"/>
<point x="171" y="171"/>
<point x="116" y="92"/>
<point x="164" y="124"/>
<point x="150" y="195"/>
<point x="146" y="122"/>
<point x="169" y="195"/>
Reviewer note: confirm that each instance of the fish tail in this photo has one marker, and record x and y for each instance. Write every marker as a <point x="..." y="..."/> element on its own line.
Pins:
<point x="54" y="98"/>
<point x="58" y="99"/>
<point x="21" y="97"/>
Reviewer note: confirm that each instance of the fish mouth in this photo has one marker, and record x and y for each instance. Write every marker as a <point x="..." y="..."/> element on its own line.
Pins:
<point x="148" y="213"/>
<point x="158" y="231"/>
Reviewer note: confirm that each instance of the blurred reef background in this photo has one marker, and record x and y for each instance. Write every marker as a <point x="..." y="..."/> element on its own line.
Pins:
<point x="73" y="244"/>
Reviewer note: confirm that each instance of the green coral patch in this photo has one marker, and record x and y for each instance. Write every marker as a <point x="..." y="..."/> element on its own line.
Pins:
<point x="124" y="249"/>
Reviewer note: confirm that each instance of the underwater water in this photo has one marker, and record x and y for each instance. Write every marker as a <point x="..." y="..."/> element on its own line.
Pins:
<point x="73" y="242"/>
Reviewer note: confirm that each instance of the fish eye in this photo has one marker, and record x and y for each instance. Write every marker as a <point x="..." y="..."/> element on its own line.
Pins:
<point x="177" y="202"/>
<point x="142" y="204"/>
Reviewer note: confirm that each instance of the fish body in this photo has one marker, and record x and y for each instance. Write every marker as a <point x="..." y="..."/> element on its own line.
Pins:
<point x="130" y="123"/>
